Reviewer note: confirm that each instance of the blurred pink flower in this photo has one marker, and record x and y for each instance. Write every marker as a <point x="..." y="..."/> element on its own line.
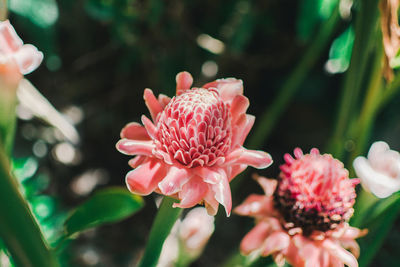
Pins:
<point x="302" y="218"/>
<point x="380" y="173"/>
<point x="193" y="147"/>
<point x="12" y="49"/>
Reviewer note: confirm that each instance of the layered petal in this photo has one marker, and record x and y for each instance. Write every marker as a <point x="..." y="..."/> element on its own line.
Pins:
<point x="255" y="158"/>
<point x="134" y="147"/>
<point x="228" y="88"/>
<point x="144" y="179"/>
<point x="254" y="239"/>
<point x="134" y="131"/>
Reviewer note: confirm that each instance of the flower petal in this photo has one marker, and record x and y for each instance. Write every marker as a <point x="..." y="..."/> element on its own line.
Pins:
<point x="255" y="158"/>
<point x="255" y="205"/>
<point x="223" y="193"/>
<point x="192" y="193"/>
<point x="337" y="251"/>
<point x="150" y="127"/>
<point x="134" y="131"/>
<point x="275" y="242"/>
<point x="134" y="147"/>
<point x="183" y="82"/>
<point x="163" y="100"/>
<point x="254" y="239"/>
<point x="268" y="185"/>
<point x="9" y="40"/>
<point x="378" y="183"/>
<point x="152" y="103"/>
<point x="144" y="179"/>
<point x="174" y="180"/>
<point x="239" y="106"/>
<point x="228" y="88"/>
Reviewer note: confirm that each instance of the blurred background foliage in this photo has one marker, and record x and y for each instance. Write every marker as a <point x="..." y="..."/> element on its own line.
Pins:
<point x="101" y="54"/>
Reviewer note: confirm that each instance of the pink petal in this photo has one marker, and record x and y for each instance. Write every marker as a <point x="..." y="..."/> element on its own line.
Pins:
<point x="239" y="106"/>
<point x="211" y="203"/>
<point x="255" y="205"/>
<point x="268" y="185"/>
<point x="235" y="170"/>
<point x="134" y="131"/>
<point x="255" y="158"/>
<point x="174" y="180"/>
<point x="152" y="103"/>
<point x="144" y="179"/>
<point x="223" y="193"/>
<point x="28" y="58"/>
<point x="136" y="161"/>
<point x="183" y="82"/>
<point x="276" y="242"/>
<point x="255" y="238"/>
<point x="337" y="251"/>
<point x="150" y="127"/>
<point x="209" y="175"/>
<point x="310" y="254"/>
<point x="241" y="129"/>
<point x="134" y="147"/>
<point x="228" y="88"/>
<point x="163" y="100"/>
<point x="353" y="233"/>
<point x="192" y="193"/>
<point x="351" y="245"/>
<point x="9" y="40"/>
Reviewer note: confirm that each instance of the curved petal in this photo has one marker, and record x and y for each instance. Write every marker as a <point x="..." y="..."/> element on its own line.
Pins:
<point x="28" y="58"/>
<point x="9" y="40"/>
<point x="337" y="251"/>
<point x="134" y="130"/>
<point x="241" y="128"/>
<point x="235" y="170"/>
<point x="134" y="147"/>
<point x="150" y="127"/>
<point x="379" y="184"/>
<point x="210" y="203"/>
<point x="209" y="175"/>
<point x="351" y="245"/>
<point x="254" y="239"/>
<point x="144" y="179"/>
<point x="255" y="205"/>
<point x="255" y="158"/>
<point x="228" y="88"/>
<point x="174" y="180"/>
<point x="239" y="106"/>
<point x="163" y="100"/>
<point x="353" y="233"/>
<point x="268" y="185"/>
<point x="136" y="161"/>
<point x="222" y="193"/>
<point x="275" y="242"/>
<point x="183" y="82"/>
<point x="152" y="103"/>
<point x="192" y="193"/>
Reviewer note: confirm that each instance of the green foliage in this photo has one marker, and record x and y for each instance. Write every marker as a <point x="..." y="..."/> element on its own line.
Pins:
<point x="106" y="206"/>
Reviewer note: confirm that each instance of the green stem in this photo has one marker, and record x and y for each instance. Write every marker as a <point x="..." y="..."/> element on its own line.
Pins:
<point x="163" y="223"/>
<point x="271" y="115"/>
<point x="365" y="26"/>
<point x="18" y="228"/>
<point x="3" y="10"/>
<point x="370" y="107"/>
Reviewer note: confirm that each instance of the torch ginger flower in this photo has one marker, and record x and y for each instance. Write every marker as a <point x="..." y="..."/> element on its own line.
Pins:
<point x="380" y="173"/>
<point x="193" y="147"/>
<point x="302" y="218"/>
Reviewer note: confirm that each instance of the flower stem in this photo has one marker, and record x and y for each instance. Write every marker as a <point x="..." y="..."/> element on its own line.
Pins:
<point x="271" y="115"/>
<point x="163" y="223"/>
<point x="3" y="10"/>
<point x="365" y="27"/>
<point x="18" y="228"/>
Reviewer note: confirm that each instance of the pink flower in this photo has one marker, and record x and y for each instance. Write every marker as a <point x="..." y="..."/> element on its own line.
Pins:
<point x="380" y="173"/>
<point x="12" y="49"/>
<point x="193" y="147"/>
<point x="302" y="218"/>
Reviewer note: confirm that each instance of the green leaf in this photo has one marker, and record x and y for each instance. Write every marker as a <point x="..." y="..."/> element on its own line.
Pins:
<point x="106" y="206"/>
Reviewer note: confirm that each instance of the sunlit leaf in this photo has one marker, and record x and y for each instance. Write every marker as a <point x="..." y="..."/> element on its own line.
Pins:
<point x="107" y="206"/>
<point x="340" y="52"/>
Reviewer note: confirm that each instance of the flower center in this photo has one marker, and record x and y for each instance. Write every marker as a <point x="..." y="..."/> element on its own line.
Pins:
<point x="314" y="193"/>
<point x="195" y="128"/>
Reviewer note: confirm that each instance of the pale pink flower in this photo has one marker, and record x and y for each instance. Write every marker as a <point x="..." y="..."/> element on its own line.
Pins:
<point x="193" y="147"/>
<point x="380" y="173"/>
<point x="12" y="49"/>
<point x="187" y="238"/>
<point x="302" y="218"/>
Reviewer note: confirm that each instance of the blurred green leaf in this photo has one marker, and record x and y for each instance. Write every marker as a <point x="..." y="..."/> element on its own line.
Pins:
<point x="107" y="206"/>
<point x="43" y="13"/>
<point x="311" y="13"/>
<point x="340" y="52"/>
<point x="24" y="168"/>
<point x="379" y="227"/>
